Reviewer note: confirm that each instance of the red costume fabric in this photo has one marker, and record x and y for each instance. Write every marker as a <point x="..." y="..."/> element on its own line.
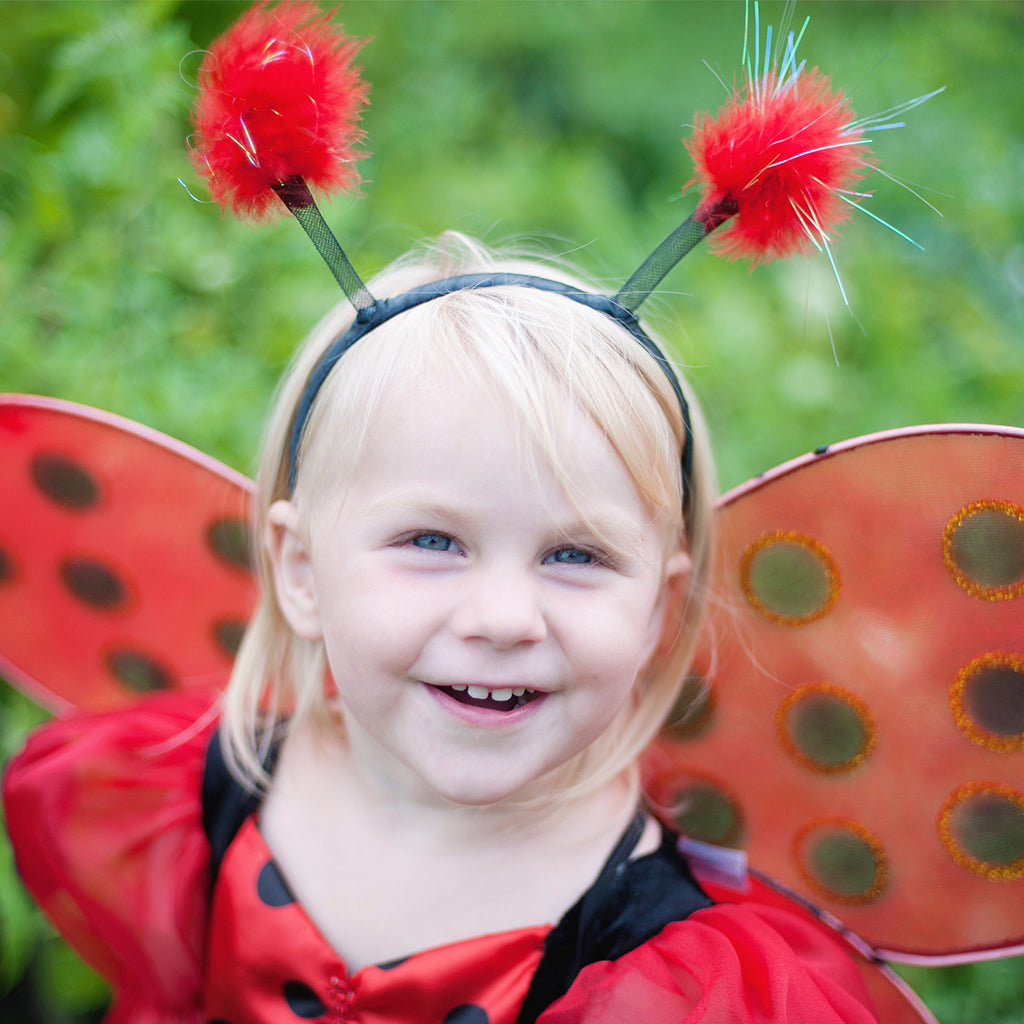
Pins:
<point x="106" y="819"/>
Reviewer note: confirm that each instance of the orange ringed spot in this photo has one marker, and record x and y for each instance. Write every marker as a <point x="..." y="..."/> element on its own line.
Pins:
<point x="789" y="578"/>
<point x="706" y="811"/>
<point x="841" y="860"/>
<point x="692" y="715"/>
<point x="983" y="549"/>
<point x="987" y="701"/>
<point x="981" y="825"/>
<point x="826" y="728"/>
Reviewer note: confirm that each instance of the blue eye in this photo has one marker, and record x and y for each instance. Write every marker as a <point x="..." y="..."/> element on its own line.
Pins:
<point x="570" y="556"/>
<point x="432" y="542"/>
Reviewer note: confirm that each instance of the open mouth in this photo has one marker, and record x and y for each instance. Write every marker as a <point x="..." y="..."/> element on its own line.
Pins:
<point x="501" y="699"/>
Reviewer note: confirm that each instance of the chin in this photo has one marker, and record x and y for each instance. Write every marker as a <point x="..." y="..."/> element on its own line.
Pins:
<point x="475" y="795"/>
<point x="482" y="788"/>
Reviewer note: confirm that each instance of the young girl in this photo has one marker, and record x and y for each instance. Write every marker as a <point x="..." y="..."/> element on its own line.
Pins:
<point x="418" y="801"/>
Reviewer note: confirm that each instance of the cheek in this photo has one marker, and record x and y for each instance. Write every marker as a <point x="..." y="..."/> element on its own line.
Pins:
<point x="627" y="630"/>
<point x="372" y="628"/>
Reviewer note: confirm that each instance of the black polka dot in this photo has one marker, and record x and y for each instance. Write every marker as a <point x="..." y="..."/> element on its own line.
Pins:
<point x="138" y="671"/>
<point x="271" y="888"/>
<point x="6" y="567"/>
<point x="230" y="541"/>
<point x="64" y="482"/>
<point x="467" y="1014"/>
<point x="93" y="583"/>
<point x="392" y="964"/>
<point x="228" y="634"/>
<point x="219" y="1020"/>
<point x="302" y="1000"/>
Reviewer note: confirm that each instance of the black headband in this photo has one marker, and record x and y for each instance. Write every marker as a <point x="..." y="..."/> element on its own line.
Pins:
<point x="379" y="311"/>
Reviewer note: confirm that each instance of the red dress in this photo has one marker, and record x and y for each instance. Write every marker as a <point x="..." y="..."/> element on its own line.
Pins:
<point x="106" y="819"/>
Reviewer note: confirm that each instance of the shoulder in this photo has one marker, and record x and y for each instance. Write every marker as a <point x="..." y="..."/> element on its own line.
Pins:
<point x="104" y="815"/>
<point x="742" y="963"/>
<point x="157" y="744"/>
<point x="151" y="729"/>
<point x="86" y="776"/>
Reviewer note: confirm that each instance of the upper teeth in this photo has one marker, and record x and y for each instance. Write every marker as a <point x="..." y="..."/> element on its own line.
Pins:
<point x="482" y="693"/>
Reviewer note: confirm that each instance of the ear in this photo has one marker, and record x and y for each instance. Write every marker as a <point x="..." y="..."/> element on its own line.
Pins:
<point x="674" y="591"/>
<point x="293" y="571"/>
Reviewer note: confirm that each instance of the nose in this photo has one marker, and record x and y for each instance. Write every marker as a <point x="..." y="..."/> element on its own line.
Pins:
<point x="501" y="606"/>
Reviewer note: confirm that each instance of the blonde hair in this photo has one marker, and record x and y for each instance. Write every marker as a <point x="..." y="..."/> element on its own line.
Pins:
<point x="538" y="352"/>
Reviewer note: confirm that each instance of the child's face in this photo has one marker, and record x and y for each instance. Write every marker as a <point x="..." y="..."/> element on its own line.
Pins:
<point x="480" y="633"/>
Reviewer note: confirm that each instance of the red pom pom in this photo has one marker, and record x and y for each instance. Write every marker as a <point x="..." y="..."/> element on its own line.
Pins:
<point x="278" y="98"/>
<point x="777" y="156"/>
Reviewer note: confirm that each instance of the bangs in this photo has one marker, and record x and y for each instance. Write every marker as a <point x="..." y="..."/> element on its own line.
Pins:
<point x="541" y="355"/>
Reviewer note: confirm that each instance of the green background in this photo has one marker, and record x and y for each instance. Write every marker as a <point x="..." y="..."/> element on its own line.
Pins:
<point x="558" y="120"/>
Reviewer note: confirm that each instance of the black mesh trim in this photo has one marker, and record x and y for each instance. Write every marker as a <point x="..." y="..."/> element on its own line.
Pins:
<point x="632" y="901"/>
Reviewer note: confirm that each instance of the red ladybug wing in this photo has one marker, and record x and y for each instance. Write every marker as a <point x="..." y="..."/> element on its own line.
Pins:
<point x="863" y="738"/>
<point x="124" y="558"/>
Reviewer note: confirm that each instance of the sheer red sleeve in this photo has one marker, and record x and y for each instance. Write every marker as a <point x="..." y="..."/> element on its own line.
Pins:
<point x="105" y="817"/>
<point x="729" y="964"/>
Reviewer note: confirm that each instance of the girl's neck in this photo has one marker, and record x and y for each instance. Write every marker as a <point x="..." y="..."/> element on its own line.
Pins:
<point x="384" y="874"/>
<point x="321" y="770"/>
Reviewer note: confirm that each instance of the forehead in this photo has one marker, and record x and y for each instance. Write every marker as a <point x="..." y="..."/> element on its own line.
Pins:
<point x="442" y="422"/>
<point x="441" y="441"/>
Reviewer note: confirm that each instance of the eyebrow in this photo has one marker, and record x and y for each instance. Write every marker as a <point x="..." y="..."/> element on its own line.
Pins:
<point x="408" y="503"/>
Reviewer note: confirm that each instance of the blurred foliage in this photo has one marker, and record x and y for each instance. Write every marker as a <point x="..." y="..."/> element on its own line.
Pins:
<point x="505" y="119"/>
